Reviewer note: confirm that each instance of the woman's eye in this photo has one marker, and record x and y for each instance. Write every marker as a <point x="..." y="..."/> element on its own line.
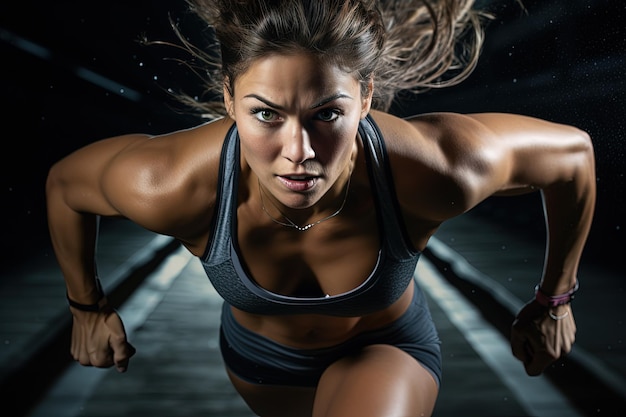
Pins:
<point x="328" y="115"/>
<point x="265" y="115"/>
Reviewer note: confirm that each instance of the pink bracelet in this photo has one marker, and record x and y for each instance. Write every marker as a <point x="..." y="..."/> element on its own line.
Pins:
<point x="554" y="300"/>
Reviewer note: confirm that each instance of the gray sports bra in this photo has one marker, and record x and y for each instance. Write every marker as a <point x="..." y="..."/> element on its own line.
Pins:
<point x="393" y="271"/>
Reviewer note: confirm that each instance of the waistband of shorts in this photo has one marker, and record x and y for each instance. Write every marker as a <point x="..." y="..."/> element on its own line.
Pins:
<point x="267" y="356"/>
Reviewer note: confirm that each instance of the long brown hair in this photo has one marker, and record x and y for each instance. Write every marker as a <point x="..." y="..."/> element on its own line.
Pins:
<point x="404" y="45"/>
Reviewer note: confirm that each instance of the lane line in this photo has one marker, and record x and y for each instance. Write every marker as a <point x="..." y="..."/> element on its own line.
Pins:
<point x="69" y="394"/>
<point x="462" y="268"/>
<point x="536" y="395"/>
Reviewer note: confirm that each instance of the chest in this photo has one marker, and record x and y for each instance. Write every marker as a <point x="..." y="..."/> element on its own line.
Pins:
<point x="330" y="258"/>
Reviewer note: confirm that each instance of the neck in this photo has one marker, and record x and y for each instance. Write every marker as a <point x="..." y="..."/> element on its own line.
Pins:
<point x="305" y="219"/>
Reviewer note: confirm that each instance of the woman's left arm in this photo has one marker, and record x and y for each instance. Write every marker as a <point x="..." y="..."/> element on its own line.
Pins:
<point x="559" y="161"/>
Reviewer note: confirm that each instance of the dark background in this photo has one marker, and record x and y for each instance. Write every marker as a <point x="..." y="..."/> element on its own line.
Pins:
<point x="74" y="72"/>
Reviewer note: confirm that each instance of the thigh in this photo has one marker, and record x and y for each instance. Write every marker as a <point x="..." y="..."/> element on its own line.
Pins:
<point x="275" y="400"/>
<point x="379" y="381"/>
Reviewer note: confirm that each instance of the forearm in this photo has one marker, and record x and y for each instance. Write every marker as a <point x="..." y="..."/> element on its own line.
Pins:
<point x="569" y="208"/>
<point x="73" y="236"/>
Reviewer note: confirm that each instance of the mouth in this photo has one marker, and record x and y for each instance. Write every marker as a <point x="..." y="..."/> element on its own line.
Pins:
<point x="298" y="183"/>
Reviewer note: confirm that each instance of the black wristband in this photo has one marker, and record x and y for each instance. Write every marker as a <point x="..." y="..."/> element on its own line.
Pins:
<point x="88" y="307"/>
<point x="102" y="301"/>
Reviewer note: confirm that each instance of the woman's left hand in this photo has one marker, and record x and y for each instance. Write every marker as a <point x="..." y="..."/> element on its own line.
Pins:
<point x="541" y="335"/>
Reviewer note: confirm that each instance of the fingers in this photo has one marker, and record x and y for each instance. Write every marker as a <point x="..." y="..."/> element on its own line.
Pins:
<point x="115" y="353"/>
<point x="533" y="356"/>
<point x="537" y="360"/>
<point x="539" y="338"/>
<point x="519" y="347"/>
<point x="122" y="352"/>
<point x="99" y="340"/>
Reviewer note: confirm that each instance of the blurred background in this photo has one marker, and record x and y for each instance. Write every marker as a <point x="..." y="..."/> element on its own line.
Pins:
<point x="74" y="72"/>
<point x="563" y="61"/>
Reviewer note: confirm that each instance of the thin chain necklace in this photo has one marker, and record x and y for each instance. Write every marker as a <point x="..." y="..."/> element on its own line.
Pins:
<point x="306" y="226"/>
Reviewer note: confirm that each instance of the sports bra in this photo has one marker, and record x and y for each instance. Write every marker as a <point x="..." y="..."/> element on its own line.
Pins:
<point x="392" y="273"/>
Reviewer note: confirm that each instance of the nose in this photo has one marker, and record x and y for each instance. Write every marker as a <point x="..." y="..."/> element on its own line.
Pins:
<point x="297" y="146"/>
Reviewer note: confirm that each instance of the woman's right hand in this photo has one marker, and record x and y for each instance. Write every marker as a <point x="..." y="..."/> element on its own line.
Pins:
<point x="99" y="339"/>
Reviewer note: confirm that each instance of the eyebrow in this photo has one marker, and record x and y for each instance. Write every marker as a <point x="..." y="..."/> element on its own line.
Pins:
<point x="319" y="104"/>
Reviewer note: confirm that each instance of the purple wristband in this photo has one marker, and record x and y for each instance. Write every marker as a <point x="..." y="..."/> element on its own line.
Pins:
<point x="554" y="300"/>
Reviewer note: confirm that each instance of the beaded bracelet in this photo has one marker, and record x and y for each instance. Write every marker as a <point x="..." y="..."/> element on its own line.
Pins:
<point x="102" y="301"/>
<point x="554" y="300"/>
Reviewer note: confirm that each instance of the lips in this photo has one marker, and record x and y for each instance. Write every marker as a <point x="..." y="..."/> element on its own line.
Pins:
<point x="298" y="182"/>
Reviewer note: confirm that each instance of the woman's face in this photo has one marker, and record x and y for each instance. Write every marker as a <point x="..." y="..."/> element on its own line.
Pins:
<point x="297" y="119"/>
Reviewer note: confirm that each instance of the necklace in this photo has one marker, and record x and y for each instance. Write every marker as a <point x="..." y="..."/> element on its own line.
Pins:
<point x="306" y="226"/>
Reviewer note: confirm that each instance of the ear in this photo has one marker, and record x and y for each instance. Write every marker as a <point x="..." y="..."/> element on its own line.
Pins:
<point x="228" y="100"/>
<point x="366" y="105"/>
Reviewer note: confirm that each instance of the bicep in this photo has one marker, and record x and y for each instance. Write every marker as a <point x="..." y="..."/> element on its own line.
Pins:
<point x="468" y="158"/>
<point x="80" y="179"/>
<point x="538" y="153"/>
<point x="166" y="185"/>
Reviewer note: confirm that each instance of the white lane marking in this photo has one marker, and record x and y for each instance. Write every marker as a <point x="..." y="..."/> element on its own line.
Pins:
<point x="536" y="395"/>
<point x="75" y="386"/>
<point x="460" y="266"/>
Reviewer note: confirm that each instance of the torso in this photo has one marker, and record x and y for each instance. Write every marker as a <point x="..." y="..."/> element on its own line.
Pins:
<point x="308" y="264"/>
<point x="423" y="153"/>
<point x="346" y="248"/>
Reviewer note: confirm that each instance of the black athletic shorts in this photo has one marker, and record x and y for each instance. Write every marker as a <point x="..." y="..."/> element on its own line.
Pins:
<point x="259" y="360"/>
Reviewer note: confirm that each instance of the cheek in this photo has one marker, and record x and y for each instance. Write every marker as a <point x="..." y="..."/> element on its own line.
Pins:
<point x="258" y="152"/>
<point x="334" y="144"/>
<point x="257" y="148"/>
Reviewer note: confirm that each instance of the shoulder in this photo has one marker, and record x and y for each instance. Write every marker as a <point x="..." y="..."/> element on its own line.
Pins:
<point x="442" y="132"/>
<point x="167" y="183"/>
<point x="440" y="142"/>
<point x="175" y="150"/>
<point x="436" y="159"/>
<point x="168" y="158"/>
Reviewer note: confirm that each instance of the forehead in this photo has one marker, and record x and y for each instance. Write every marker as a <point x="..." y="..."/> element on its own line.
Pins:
<point x="285" y="75"/>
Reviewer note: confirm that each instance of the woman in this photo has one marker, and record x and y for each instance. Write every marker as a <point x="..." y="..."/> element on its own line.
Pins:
<point x="308" y="204"/>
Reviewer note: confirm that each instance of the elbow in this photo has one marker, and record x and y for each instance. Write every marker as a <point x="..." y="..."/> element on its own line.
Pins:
<point x="579" y="161"/>
<point x="586" y="150"/>
<point x="53" y="179"/>
<point x="584" y="174"/>
<point x="54" y="185"/>
<point x="585" y="145"/>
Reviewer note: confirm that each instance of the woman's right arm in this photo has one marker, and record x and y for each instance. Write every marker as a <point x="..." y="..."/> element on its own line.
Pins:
<point x="165" y="184"/>
<point x="75" y="197"/>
